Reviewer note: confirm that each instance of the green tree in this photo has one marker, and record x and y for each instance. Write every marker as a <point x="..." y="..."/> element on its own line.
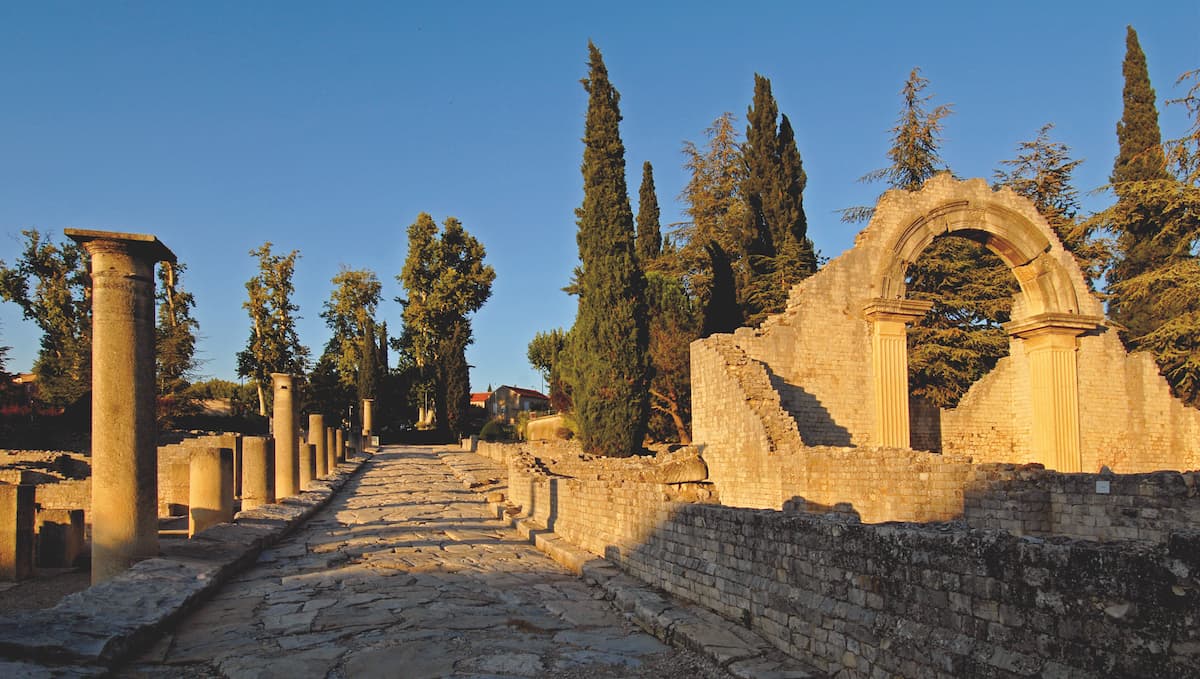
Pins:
<point x="610" y="368"/>
<point x="1042" y="173"/>
<point x="1140" y="159"/>
<point x="1166" y="294"/>
<point x="175" y="344"/>
<point x="673" y="327"/>
<point x="274" y="345"/>
<point x="780" y="253"/>
<point x="721" y="313"/>
<point x="962" y="337"/>
<point x="546" y="353"/>
<point x="446" y="281"/>
<point x="649" y="230"/>
<point x="60" y="304"/>
<point x="716" y="210"/>
<point x="350" y="314"/>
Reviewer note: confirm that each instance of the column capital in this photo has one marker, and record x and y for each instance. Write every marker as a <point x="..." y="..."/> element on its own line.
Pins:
<point x="897" y="310"/>
<point x="1060" y="324"/>
<point x="143" y="246"/>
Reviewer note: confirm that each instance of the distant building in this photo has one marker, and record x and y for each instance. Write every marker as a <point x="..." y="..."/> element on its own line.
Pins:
<point x="507" y="402"/>
<point x="479" y="399"/>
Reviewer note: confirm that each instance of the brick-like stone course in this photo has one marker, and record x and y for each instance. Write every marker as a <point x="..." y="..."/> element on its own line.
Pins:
<point x="935" y="600"/>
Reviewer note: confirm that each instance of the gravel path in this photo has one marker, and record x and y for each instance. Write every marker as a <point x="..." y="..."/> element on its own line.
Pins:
<point x="405" y="574"/>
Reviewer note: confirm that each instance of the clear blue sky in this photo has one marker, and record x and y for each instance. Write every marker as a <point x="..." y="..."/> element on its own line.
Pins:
<point x="327" y="127"/>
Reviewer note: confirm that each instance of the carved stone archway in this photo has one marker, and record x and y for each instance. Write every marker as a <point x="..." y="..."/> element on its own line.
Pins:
<point x="1048" y="325"/>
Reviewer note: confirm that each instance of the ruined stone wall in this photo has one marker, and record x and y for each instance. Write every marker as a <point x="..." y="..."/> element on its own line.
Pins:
<point x="1145" y="507"/>
<point x="174" y="469"/>
<point x="69" y="494"/>
<point x="816" y="357"/>
<point x="896" y="599"/>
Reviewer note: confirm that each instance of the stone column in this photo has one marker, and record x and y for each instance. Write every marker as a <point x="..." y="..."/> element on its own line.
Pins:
<point x="1050" y="342"/>
<point x="330" y="450"/>
<point x="16" y="531"/>
<point x="368" y="423"/>
<point x="283" y="417"/>
<point x="308" y="464"/>
<point x="339" y="444"/>
<point x="316" y="436"/>
<point x="889" y="366"/>
<point x="124" y="456"/>
<point x="258" y="472"/>
<point x="210" y="488"/>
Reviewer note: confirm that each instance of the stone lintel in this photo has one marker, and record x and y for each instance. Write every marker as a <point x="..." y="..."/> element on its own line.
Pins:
<point x="901" y="310"/>
<point x="1053" y="324"/>
<point x="143" y="245"/>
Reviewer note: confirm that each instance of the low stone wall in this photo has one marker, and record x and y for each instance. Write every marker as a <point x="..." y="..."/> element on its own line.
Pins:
<point x="66" y="495"/>
<point x="933" y="600"/>
<point x="1146" y="507"/>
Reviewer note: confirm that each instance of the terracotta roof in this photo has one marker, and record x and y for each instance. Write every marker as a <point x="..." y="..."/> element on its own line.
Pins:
<point x="527" y="393"/>
<point x="480" y="396"/>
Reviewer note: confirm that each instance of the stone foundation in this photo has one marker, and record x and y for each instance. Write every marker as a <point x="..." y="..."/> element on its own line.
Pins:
<point x="936" y="600"/>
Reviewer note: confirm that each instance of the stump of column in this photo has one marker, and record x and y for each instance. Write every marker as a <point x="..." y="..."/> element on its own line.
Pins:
<point x="316" y="436"/>
<point x="889" y="366"/>
<point x="234" y="442"/>
<point x="330" y="451"/>
<point x="308" y="464"/>
<point x="368" y="421"/>
<point x="283" y="419"/>
<point x="339" y="444"/>
<point x="16" y="531"/>
<point x="258" y="472"/>
<point x="124" y="461"/>
<point x="1051" y="341"/>
<point x="210" y="490"/>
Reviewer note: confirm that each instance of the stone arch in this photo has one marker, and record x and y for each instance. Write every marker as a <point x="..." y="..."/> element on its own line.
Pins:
<point x="1047" y="322"/>
<point x="1045" y="281"/>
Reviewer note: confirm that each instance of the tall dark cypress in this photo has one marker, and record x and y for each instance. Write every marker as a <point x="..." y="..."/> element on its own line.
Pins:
<point x="610" y="366"/>
<point x="649" y="231"/>
<point x="779" y="251"/>
<point x="1139" y="158"/>
<point x="722" y="313"/>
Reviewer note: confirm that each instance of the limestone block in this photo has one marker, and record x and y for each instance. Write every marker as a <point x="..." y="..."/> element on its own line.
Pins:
<point x="16" y="531"/>
<point x="308" y="464"/>
<point x="60" y="537"/>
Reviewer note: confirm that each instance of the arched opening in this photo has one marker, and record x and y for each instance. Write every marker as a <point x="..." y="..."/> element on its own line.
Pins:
<point x="1046" y="321"/>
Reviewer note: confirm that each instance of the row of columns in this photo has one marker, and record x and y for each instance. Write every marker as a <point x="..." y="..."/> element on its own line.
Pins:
<point x="124" y="434"/>
<point x="1050" y="341"/>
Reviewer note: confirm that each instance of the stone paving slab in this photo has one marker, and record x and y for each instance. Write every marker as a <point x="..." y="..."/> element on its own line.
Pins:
<point x="96" y="628"/>
<point x="740" y="651"/>
<point x="407" y="574"/>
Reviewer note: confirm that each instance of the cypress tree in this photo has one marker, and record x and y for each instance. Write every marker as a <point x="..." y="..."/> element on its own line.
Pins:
<point x="780" y="254"/>
<point x="649" y="232"/>
<point x="1140" y="158"/>
<point x="722" y="313"/>
<point x="609" y="341"/>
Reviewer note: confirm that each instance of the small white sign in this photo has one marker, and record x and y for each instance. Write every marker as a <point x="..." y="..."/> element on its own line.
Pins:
<point x="1103" y="487"/>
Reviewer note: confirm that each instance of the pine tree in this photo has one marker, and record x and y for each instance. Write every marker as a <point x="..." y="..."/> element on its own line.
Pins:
<point x="1042" y="173"/>
<point x="350" y="315"/>
<point x="716" y="209"/>
<point x="610" y="368"/>
<point x="961" y="337"/>
<point x="649" y="232"/>
<point x="780" y="253"/>
<point x="673" y="327"/>
<point x="1140" y="158"/>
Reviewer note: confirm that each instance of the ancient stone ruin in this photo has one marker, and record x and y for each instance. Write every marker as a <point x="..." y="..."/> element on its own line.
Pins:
<point x="815" y="403"/>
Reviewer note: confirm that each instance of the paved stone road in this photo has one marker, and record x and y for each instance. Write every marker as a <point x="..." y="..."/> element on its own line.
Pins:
<point x="405" y="574"/>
